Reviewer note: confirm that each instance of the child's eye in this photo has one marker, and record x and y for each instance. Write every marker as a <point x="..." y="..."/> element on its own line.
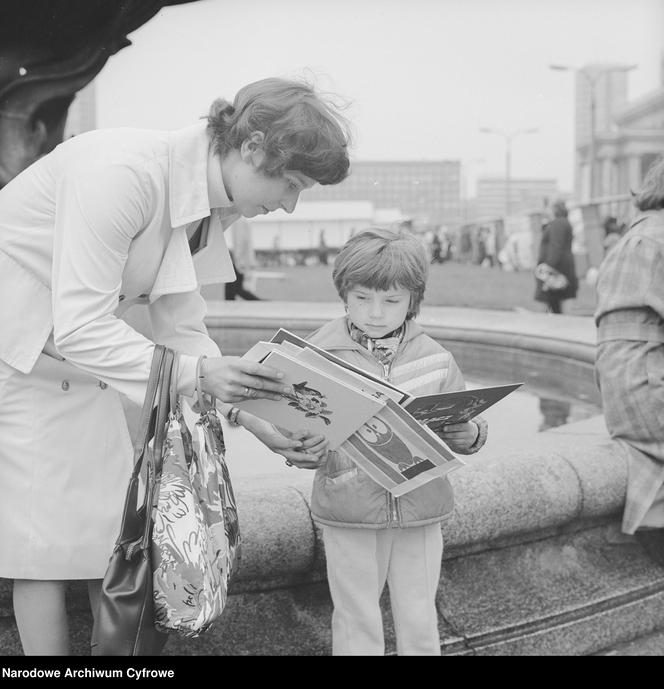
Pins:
<point x="292" y="185"/>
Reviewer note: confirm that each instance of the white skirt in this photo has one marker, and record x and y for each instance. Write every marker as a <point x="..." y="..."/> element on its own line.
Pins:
<point x="65" y="461"/>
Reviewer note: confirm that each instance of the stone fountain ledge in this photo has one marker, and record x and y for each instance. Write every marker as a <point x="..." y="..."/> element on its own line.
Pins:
<point x="534" y="559"/>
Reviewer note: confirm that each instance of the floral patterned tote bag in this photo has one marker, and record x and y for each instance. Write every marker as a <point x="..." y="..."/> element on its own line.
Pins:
<point x="196" y="538"/>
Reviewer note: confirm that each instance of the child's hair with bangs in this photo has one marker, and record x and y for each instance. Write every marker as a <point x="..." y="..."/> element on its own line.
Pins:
<point x="302" y="131"/>
<point x="382" y="259"/>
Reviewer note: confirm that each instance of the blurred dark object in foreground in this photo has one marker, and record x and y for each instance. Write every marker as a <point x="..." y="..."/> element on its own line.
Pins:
<point x="49" y="50"/>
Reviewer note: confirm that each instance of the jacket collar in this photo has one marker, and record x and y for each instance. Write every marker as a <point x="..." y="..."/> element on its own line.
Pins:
<point x="189" y="203"/>
<point x="189" y="199"/>
<point x="337" y="337"/>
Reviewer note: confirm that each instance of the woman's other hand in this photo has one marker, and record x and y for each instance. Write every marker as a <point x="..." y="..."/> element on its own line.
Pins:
<point x="302" y="449"/>
<point x="233" y="379"/>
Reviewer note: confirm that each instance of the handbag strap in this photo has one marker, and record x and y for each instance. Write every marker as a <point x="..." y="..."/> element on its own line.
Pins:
<point x="144" y="427"/>
<point x="154" y="458"/>
<point x="162" y="413"/>
<point x="174" y="382"/>
<point x="203" y="405"/>
<point x="130" y="514"/>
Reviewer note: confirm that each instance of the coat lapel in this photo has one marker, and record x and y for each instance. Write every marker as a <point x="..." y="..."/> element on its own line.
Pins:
<point x="189" y="204"/>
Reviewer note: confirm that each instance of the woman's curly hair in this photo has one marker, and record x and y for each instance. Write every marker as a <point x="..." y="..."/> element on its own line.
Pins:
<point x="302" y="131"/>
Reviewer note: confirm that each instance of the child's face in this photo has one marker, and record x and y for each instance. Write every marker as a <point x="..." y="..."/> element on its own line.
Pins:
<point x="377" y="312"/>
<point x="254" y="193"/>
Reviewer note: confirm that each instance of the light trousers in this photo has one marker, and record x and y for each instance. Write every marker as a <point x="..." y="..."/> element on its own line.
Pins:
<point x="359" y="563"/>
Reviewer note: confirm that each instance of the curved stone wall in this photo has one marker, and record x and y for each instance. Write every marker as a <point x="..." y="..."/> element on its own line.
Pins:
<point x="534" y="561"/>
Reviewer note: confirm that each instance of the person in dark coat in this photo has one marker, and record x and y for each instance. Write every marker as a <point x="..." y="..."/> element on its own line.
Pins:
<point x="556" y="252"/>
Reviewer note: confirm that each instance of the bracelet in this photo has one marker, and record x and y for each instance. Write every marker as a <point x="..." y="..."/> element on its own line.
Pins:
<point x="232" y="415"/>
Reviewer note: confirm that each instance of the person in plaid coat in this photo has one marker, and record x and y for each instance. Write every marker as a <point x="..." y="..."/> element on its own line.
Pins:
<point x="630" y="358"/>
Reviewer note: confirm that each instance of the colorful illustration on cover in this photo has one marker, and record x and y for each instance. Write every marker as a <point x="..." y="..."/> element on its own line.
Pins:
<point x="458" y="411"/>
<point x="312" y="402"/>
<point x="380" y="438"/>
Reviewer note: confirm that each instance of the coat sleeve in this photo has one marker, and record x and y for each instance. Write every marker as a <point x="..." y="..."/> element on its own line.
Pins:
<point x="98" y="212"/>
<point x="178" y="321"/>
<point x="454" y="382"/>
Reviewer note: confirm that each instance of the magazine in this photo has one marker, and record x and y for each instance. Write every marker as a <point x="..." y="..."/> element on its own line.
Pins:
<point x="284" y="336"/>
<point x="399" y="453"/>
<point x="456" y="407"/>
<point x="388" y="433"/>
<point x="317" y="402"/>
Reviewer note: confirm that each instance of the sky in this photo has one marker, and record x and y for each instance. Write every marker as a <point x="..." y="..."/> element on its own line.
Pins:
<point x="418" y="78"/>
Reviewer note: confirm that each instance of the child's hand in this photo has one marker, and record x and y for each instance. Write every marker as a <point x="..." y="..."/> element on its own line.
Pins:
<point x="459" y="436"/>
<point x="313" y="444"/>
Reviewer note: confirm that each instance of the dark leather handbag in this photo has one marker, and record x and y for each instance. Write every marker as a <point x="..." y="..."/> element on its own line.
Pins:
<point x="124" y="623"/>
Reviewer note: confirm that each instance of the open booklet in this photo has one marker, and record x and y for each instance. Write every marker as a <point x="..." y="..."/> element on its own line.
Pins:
<point x="382" y="428"/>
<point x="432" y="410"/>
<point x="455" y="407"/>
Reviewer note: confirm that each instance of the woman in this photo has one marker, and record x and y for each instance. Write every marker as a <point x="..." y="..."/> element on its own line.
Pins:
<point x="556" y="252"/>
<point x="107" y="220"/>
<point x="630" y="358"/>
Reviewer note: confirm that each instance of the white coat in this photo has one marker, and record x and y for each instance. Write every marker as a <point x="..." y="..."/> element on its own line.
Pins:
<point x="95" y="226"/>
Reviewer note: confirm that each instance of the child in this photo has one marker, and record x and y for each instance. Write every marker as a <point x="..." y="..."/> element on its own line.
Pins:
<point x="371" y="537"/>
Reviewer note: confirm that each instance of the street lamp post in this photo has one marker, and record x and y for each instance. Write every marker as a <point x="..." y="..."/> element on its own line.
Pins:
<point x="592" y="77"/>
<point x="508" y="157"/>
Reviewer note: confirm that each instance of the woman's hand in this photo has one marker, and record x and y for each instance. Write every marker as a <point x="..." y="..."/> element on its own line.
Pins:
<point x="459" y="436"/>
<point x="233" y="379"/>
<point x="301" y="449"/>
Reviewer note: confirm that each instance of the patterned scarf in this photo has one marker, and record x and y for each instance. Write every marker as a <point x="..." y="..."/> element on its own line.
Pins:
<point x="384" y="349"/>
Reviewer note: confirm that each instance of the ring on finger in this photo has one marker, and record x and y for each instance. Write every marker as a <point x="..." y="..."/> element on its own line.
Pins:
<point x="247" y="392"/>
<point x="289" y="463"/>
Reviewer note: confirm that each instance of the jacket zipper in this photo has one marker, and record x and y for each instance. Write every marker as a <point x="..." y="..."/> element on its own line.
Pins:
<point x="394" y="506"/>
<point x="393" y="518"/>
<point x="392" y="502"/>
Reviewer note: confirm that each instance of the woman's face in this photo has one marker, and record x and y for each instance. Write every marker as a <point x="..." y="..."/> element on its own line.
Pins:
<point x="254" y="193"/>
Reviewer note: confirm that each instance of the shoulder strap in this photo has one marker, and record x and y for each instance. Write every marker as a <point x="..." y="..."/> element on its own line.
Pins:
<point x="144" y="431"/>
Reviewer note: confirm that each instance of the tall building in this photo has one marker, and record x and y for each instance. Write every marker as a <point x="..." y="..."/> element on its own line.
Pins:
<point x="82" y="115"/>
<point x="627" y="148"/>
<point x="426" y="191"/>
<point x="610" y="96"/>
<point x="525" y="195"/>
<point x="608" y="84"/>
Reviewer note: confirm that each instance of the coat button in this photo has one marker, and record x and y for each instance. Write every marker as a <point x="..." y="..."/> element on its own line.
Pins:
<point x="102" y="385"/>
<point x="65" y="385"/>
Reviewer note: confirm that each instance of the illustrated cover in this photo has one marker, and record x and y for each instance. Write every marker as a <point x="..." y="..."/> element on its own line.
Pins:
<point x="311" y="358"/>
<point x="317" y="402"/>
<point x="456" y="407"/>
<point x="399" y="453"/>
<point x="283" y="336"/>
<point x="261" y="349"/>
